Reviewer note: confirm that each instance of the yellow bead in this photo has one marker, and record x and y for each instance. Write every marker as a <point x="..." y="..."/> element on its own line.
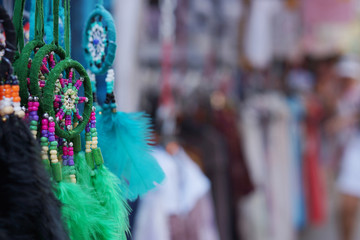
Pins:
<point x="53" y="157"/>
<point x="53" y="152"/>
<point x="88" y="150"/>
<point x="54" y="161"/>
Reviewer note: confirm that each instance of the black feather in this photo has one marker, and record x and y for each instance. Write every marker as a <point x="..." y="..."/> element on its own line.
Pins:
<point x="28" y="206"/>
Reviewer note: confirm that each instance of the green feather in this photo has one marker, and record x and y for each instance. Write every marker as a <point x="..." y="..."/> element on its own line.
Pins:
<point x="84" y="216"/>
<point x="107" y="186"/>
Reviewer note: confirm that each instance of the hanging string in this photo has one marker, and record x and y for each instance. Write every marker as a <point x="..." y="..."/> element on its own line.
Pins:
<point x="67" y="28"/>
<point x="39" y="20"/>
<point x="17" y="21"/>
<point x="56" y="21"/>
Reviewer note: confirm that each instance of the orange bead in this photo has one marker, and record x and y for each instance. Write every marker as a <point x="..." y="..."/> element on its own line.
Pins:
<point x="17" y="99"/>
<point x="16" y="88"/>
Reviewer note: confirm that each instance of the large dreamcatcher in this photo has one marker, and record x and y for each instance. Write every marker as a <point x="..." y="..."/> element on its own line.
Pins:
<point x="93" y="207"/>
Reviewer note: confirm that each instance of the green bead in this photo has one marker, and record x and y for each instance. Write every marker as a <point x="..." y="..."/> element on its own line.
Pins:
<point x="98" y="158"/>
<point x="53" y="147"/>
<point x="94" y="134"/>
<point x="92" y="130"/>
<point x="56" y="170"/>
<point x="33" y="127"/>
<point x="44" y="144"/>
<point x="43" y="139"/>
<point x="33" y="122"/>
<point x="89" y="160"/>
<point x="54" y="143"/>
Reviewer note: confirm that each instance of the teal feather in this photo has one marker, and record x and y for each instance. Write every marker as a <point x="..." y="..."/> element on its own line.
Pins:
<point x="124" y="139"/>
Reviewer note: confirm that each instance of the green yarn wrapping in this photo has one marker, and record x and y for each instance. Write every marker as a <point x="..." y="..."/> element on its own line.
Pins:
<point x="36" y="64"/>
<point x="48" y="97"/>
<point x="21" y="69"/>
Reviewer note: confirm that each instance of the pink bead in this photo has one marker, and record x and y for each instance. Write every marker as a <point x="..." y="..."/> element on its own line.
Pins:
<point x="30" y="104"/>
<point x="37" y="104"/>
<point x="44" y="121"/>
<point x="51" y="129"/>
<point x="71" y="153"/>
<point x="44" y="127"/>
<point x="52" y="124"/>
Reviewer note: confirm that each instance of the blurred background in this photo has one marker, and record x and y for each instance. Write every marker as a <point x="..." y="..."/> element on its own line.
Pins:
<point x="255" y="106"/>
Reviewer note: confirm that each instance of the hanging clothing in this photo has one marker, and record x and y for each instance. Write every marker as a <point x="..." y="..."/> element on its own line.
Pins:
<point x="174" y="209"/>
<point x="313" y="171"/>
<point x="297" y="113"/>
<point x="265" y="126"/>
<point x="212" y="149"/>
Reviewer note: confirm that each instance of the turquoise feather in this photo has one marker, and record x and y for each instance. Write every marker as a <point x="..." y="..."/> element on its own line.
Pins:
<point x="124" y="139"/>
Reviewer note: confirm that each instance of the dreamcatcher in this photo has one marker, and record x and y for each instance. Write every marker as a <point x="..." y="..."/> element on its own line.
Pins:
<point x="93" y="207"/>
<point x="124" y="138"/>
<point x="29" y="208"/>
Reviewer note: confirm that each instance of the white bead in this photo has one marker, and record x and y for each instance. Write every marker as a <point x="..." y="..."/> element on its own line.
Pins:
<point x="53" y="157"/>
<point x="54" y="161"/>
<point x="53" y="152"/>
<point x="44" y="156"/>
<point x="88" y="150"/>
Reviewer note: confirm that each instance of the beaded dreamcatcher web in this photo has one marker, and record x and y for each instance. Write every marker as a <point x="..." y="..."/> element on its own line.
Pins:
<point x="99" y="40"/>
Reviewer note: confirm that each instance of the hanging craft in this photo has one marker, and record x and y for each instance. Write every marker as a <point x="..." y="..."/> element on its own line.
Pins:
<point x="29" y="208"/>
<point x="123" y="137"/>
<point x="99" y="41"/>
<point x="92" y="209"/>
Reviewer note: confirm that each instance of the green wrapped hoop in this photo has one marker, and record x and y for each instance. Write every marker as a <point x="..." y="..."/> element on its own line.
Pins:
<point x="49" y="97"/>
<point x="37" y="63"/>
<point x="21" y="69"/>
<point x="21" y="62"/>
<point x="100" y="15"/>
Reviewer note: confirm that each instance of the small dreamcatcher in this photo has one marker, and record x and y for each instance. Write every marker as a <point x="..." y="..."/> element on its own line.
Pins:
<point x="99" y="40"/>
<point x="123" y="137"/>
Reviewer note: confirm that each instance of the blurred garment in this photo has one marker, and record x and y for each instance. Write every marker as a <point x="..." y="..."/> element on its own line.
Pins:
<point x="211" y="147"/>
<point x="297" y="113"/>
<point x="349" y="180"/>
<point x="313" y="171"/>
<point x="258" y="44"/>
<point x="268" y="212"/>
<point x="174" y="209"/>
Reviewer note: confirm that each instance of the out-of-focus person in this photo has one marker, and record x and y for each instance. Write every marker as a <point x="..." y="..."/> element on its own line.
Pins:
<point x="345" y="127"/>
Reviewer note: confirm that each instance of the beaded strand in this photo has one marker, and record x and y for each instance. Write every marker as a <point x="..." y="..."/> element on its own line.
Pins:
<point x="33" y="106"/>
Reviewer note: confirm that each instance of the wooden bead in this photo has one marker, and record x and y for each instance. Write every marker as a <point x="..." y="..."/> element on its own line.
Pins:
<point x="72" y="178"/>
<point x="20" y="114"/>
<point x="7" y="110"/>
